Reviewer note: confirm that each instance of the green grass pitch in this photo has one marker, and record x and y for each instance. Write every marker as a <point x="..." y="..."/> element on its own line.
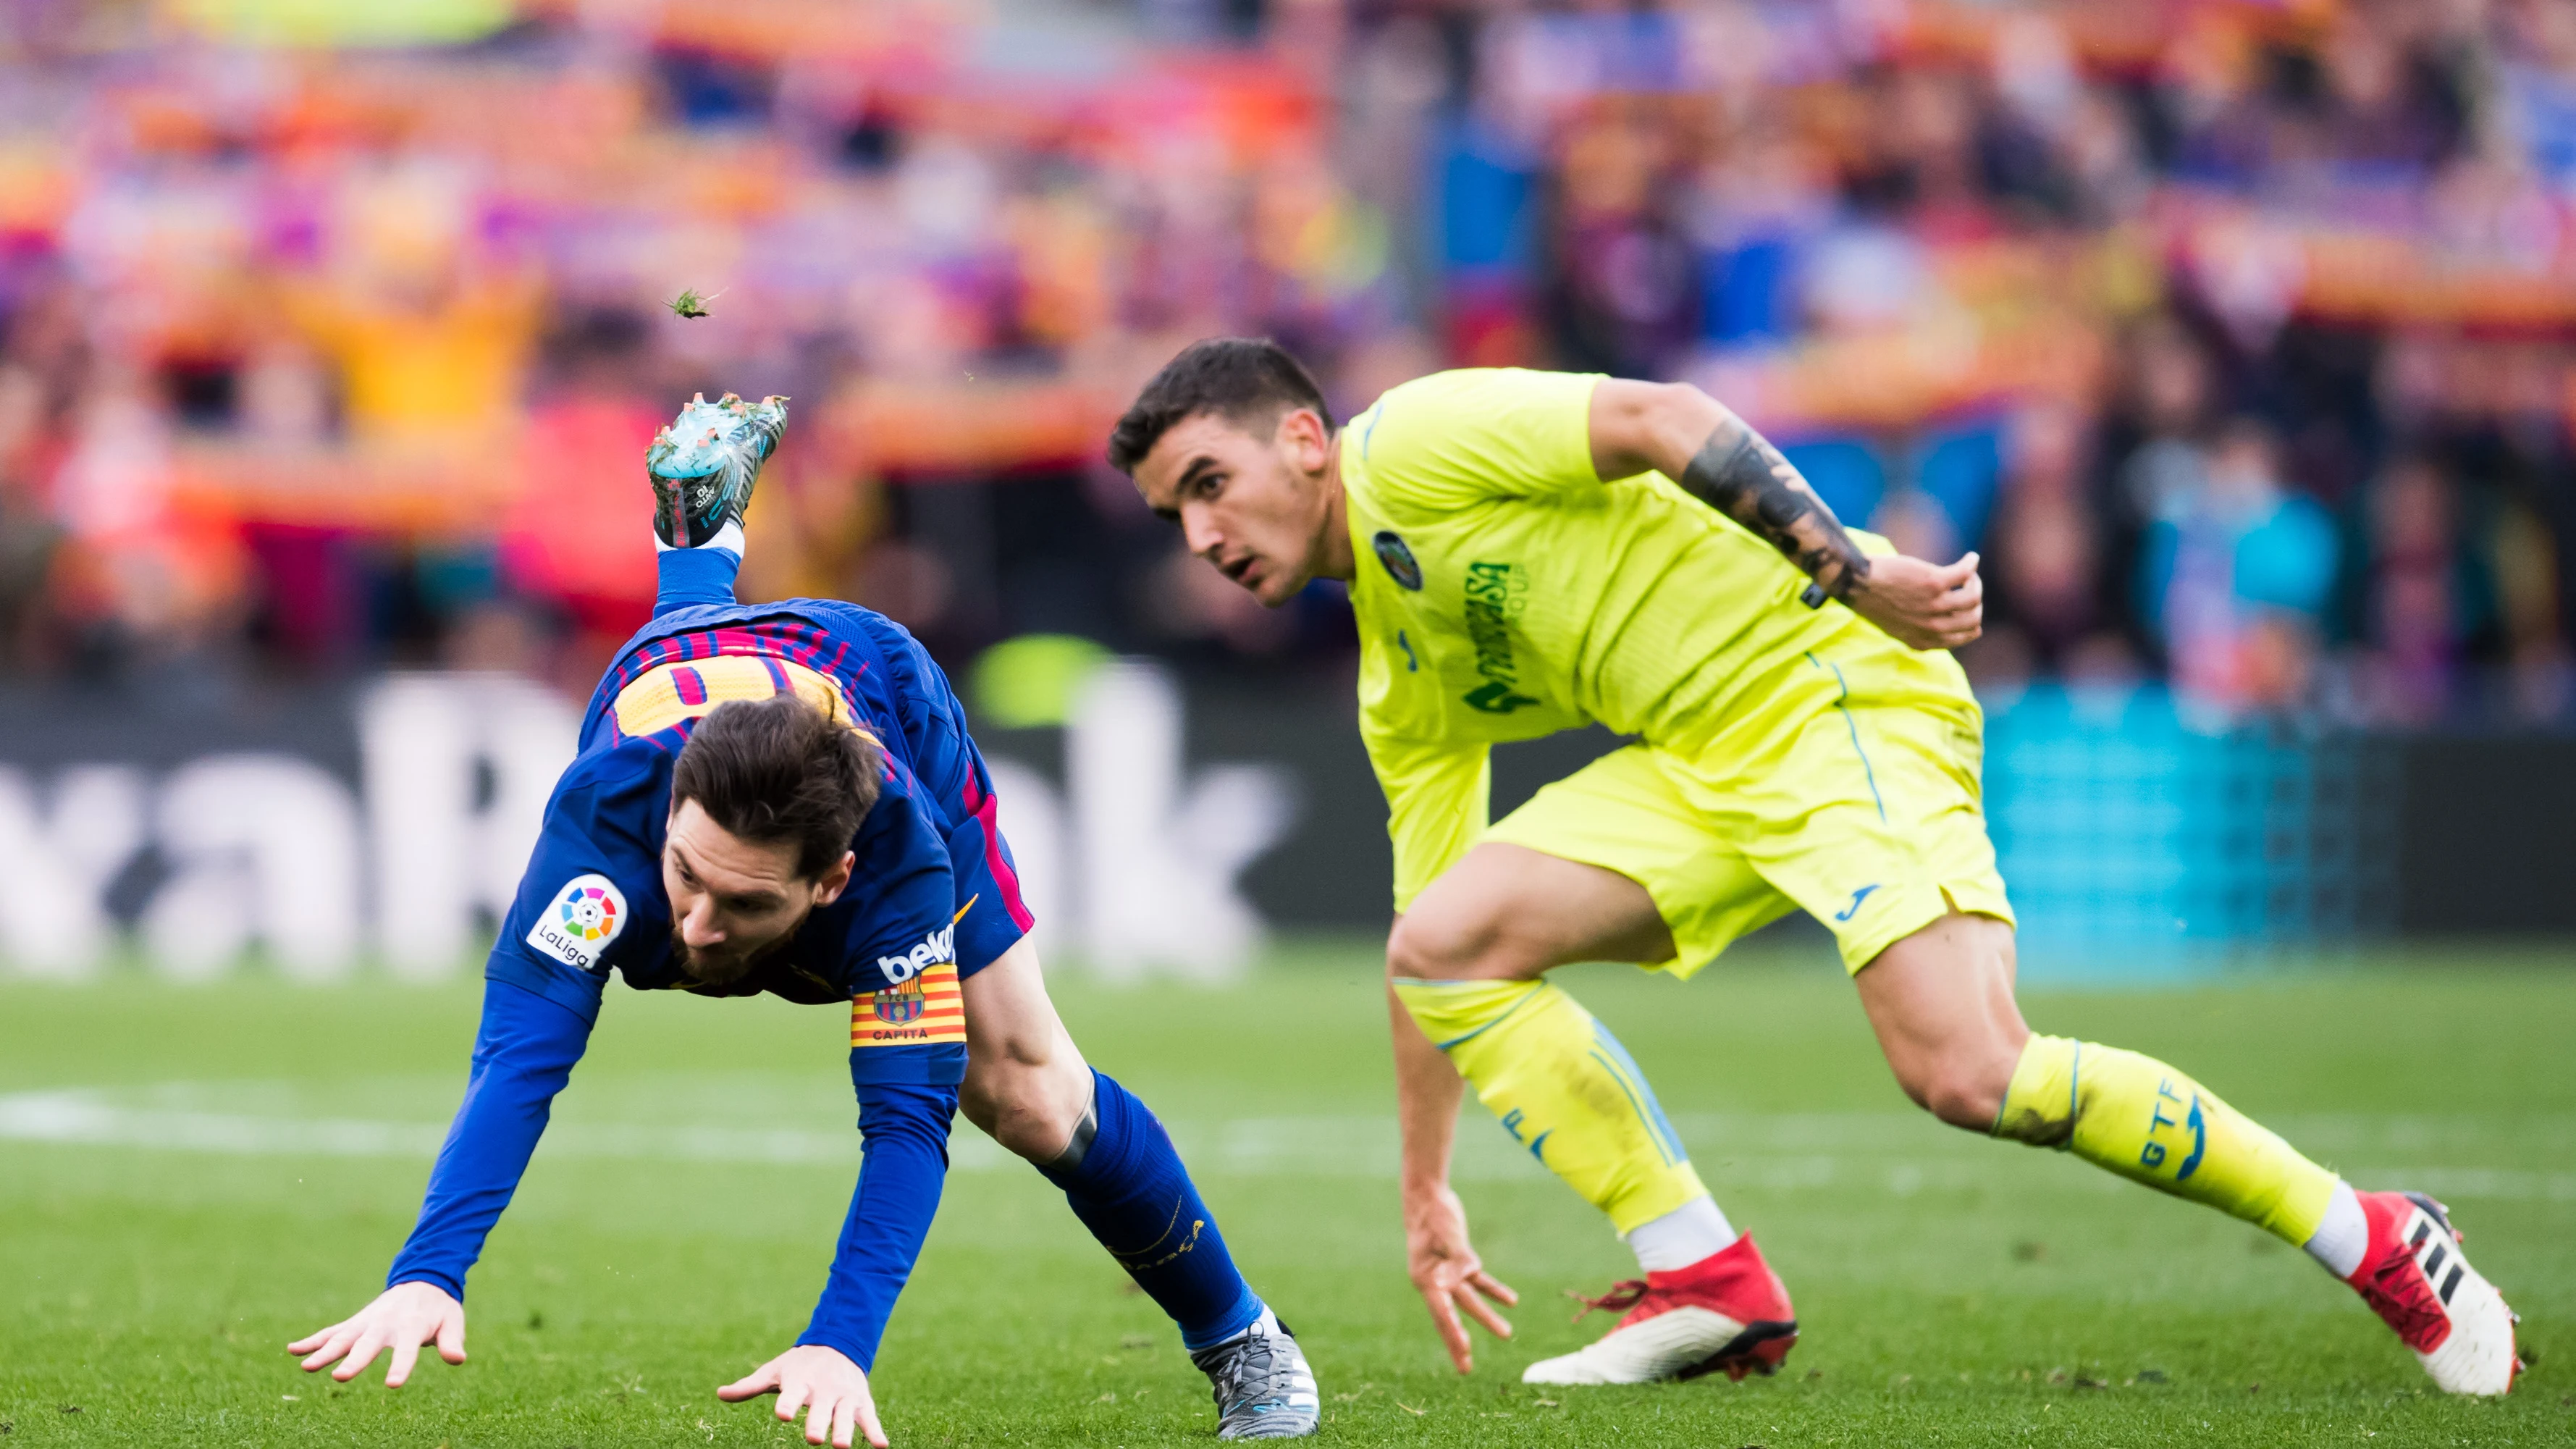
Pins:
<point x="189" y="1177"/>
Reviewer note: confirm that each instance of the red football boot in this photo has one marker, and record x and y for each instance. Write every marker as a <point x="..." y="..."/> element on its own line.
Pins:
<point x="2415" y="1278"/>
<point x="1725" y="1313"/>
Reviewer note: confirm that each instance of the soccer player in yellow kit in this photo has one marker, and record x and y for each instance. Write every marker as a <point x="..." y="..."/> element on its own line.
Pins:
<point x="1529" y="552"/>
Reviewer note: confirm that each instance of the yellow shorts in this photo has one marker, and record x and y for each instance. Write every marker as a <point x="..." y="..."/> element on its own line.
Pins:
<point x="1872" y="822"/>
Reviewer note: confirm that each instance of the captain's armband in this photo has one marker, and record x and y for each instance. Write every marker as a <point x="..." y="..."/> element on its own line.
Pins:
<point x="912" y="1032"/>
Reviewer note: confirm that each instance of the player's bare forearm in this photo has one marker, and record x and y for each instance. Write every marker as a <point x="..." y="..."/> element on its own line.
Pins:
<point x="1438" y="1256"/>
<point x="1692" y="438"/>
<point x="1427" y="1093"/>
<point x="1683" y="433"/>
<point x="1739" y="473"/>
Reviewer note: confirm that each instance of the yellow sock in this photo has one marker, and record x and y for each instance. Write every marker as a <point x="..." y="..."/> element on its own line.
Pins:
<point x="2150" y="1123"/>
<point x="1563" y="1087"/>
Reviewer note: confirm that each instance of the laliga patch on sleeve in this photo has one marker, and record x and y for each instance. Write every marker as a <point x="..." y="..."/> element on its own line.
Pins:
<point x="577" y="925"/>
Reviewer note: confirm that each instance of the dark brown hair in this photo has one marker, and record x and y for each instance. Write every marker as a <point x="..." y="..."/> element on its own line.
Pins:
<point x="775" y="771"/>
<point x="1248" y="381"/>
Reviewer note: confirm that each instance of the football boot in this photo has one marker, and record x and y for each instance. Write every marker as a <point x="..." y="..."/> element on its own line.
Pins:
<point x="704" y="463"/>
<point x="1263" y="1388"/>
<point x="2414" y="1276"/>
<point x="1725" y="1313"/>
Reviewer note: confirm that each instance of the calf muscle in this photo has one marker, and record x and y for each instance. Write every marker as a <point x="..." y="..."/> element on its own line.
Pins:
<point x="1941" y="1001"/>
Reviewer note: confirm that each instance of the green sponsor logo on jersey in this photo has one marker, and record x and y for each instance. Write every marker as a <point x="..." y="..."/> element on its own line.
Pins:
<point x="1496" y="595"/>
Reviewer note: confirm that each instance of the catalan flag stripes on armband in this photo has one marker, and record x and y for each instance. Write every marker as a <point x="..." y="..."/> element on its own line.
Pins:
<point x="928" y="1010"/>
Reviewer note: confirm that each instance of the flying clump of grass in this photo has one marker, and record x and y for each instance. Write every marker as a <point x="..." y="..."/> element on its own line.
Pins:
<point x="690" y="302"/>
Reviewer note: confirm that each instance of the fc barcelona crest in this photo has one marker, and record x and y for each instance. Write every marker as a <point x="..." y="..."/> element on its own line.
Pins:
<point x="922" y="1010"/>
<point x="900" y="1005"/>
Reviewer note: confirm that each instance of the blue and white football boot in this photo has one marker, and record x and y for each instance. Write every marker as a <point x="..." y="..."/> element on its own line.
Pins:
<point x="704" y="464"/>
<point x="1263" y="1388"/>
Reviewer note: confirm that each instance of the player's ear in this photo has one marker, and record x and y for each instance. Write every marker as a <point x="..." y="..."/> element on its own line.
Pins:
<point x="1302" y="436"/>
<point x="829" y="885"/>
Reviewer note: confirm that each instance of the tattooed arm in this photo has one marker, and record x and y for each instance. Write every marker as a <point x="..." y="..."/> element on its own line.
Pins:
<point x="1741" y="475"/>
<point x="1690" y="437"/>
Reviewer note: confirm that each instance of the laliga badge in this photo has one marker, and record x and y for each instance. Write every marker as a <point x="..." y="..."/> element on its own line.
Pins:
<point x="577" y="925"/>
<point x="1391" y="551"/>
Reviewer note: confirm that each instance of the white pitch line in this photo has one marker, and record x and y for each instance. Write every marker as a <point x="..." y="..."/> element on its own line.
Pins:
<point x="1348" y="1146"/>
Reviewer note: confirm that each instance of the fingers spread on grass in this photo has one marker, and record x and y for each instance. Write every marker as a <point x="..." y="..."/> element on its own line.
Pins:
<point x="334" y="1342"/>
<point x="762" y="1380"/>
<point x="1496" y="1289"/>
<point x="361" y="1354"/>
<point x="1453" y="1334"/>
<point x="1481" y="1311"/>
<point x="315" y="1340"/>
<point x="792" y="1394"/>
<point x="406" y="1353"/>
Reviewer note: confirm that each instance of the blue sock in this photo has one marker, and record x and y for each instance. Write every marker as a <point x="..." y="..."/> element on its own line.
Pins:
<point x="695" y="576"/>
<point x="1128" y="1186"/>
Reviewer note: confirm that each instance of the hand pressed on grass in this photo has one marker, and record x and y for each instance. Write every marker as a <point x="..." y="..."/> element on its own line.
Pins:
<point x="1447" y="1272"/>
<point x="831" y="1389"/>
<point x="401" y="1318"/>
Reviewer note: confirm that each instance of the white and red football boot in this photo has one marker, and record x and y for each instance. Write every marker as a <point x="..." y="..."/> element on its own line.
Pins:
<point x="2415" y="1278"/>
<point x="1725" y="1313"/>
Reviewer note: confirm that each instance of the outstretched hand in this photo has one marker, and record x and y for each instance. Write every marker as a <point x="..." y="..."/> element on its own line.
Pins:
<point x="1922" y="605"/>
<point x="402" y="1318"/>
<point x="1448" y="1274"/>
<point x="832" y="1390"/>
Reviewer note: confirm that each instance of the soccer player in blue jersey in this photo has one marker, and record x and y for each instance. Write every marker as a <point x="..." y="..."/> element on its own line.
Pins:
<point x="784" y="798"/>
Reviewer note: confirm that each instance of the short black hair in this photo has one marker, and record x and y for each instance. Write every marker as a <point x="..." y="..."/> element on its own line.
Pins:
<point x="779" y="771"/>
<point x="1245" y="380"/>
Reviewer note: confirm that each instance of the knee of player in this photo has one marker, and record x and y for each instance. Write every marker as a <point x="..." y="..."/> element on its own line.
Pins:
<point x="1434" y="946"/>
<point x="1031" y="1112"/>
<point x="1961" y="1088"/>
<point x="983" y="1108"/>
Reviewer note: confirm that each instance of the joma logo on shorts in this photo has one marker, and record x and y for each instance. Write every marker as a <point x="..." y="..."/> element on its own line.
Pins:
<point x="1496" y="595"/>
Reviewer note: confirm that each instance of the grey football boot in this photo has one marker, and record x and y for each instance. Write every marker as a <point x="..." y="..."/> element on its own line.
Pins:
<point x="704" y="464"/>
<point x="1263" y="1388"/>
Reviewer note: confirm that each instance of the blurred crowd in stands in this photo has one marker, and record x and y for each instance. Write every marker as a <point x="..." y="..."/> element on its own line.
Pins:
<point x="2238" y="336"/>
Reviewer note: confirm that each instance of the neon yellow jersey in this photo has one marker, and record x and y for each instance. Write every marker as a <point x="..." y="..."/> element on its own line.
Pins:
<point x="1504" y="592"/>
